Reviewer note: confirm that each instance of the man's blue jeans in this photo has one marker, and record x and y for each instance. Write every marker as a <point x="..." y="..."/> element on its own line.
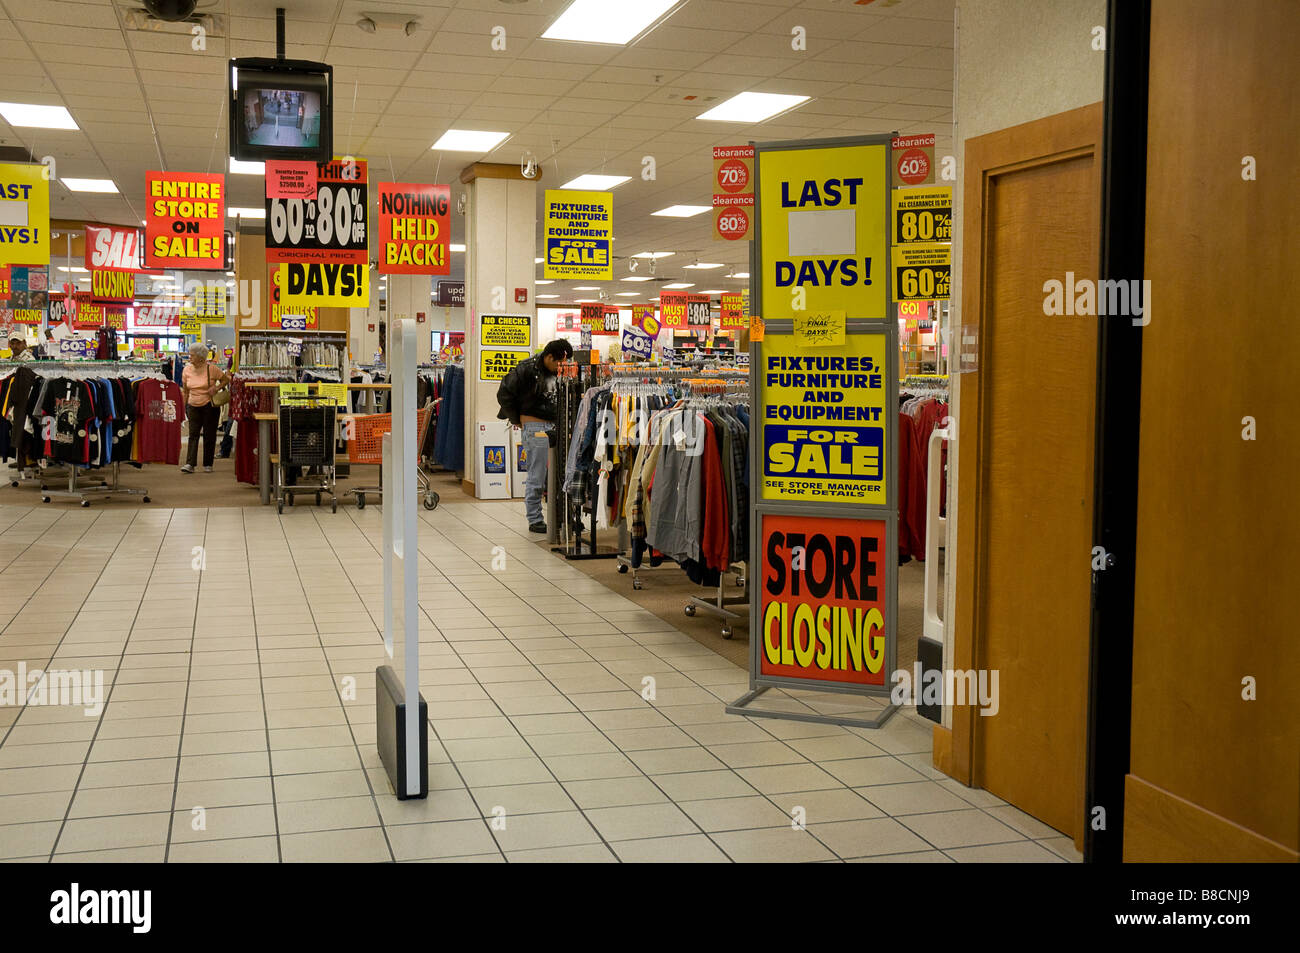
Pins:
<point x="538" y="447"/>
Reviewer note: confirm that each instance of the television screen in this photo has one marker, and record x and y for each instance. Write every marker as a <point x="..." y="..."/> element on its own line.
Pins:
<point x="280" y="111"/>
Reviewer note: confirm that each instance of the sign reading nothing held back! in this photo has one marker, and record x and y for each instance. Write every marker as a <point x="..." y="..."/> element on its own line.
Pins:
<point x="579" y="235"/>
<point x="414" y="229"/>
<point x="825" y="420"/>
<point x="824" y="219"/>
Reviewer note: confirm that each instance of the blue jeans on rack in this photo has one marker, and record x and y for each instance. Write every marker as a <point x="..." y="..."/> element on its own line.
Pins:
<point x="537" y="444"/>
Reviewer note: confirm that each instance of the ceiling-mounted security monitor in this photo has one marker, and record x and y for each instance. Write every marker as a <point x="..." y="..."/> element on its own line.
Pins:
<point x="281" y="109"/>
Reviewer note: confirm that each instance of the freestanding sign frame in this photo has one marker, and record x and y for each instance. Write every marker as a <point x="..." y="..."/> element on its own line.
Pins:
<point x="883" y="324"/>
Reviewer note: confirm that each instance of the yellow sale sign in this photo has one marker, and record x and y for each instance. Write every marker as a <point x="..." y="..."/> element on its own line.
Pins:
<point x="325" y="284"/>
<point x="24" y="214"/>
<point x="825" y="417"/>
<point x="824" y="229"/>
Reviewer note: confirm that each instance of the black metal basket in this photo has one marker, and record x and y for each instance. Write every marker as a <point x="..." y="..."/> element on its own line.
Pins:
<point x="307" y="436"/>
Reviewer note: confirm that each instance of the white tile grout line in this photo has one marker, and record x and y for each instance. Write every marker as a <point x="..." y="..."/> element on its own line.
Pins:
<point x="108" y="561"/>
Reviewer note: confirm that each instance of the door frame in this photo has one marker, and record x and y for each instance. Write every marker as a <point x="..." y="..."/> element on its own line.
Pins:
<point x="1059" y="138"/>
<point x="1118" y="418"/>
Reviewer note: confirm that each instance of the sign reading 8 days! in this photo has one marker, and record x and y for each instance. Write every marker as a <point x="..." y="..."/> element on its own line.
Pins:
<point x="507" y="330"/>
<point x="824" y="421"/>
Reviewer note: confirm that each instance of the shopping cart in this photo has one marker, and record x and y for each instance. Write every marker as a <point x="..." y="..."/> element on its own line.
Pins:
<point x="365" y="445"/>
<point x="307" y="440"/>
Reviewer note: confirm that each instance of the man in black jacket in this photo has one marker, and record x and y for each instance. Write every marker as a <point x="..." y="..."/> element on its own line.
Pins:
<point x="527" y="399"/>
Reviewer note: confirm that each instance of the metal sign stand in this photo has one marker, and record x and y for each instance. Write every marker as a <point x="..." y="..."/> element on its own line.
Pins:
<point x="402" y="719"/>
<point x="885" y="326"/>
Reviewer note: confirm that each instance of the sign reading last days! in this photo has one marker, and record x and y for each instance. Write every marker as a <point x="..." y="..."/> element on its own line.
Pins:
<point x="825" y="419"/>
<point x="823" y="599"/>
<point x="824" y="213"/>
<point x="324" y="284"/>
<point x="497" y="364"/>
<point x="507" y="330"/>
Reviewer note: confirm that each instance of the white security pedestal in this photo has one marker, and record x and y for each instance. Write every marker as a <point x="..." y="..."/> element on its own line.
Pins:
<point x="518" y="464"/>
<point x="401" y="715"/>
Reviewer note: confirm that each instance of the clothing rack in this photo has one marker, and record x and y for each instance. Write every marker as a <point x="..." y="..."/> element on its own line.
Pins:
<point x="571" y="390"/>
<point x="82" y="483"/>
<point x="704" y="393"/>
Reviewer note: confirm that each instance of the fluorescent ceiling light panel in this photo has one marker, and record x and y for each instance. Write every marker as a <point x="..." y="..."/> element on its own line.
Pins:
<point x="457" y="247"/>
<point x="587" y="288"/>
<point x="681" y="284"/>
<point x="638" y="278"/>
<point x="240" y="167"/>
<point x="628" y="294"/>
<point x="233" y="212"/>
<point x="91" y="185"/>
<point x="548" y="296"/>
<point x="682" y="211"/>
<point x="739" y="274"/>
<point x="470" y="140"/>
<point x="538" y="261"/>
<point x="653" y="254"/>
<point x="543" y="281"/>
<point x="607" y="21"/>
<point x="753" y="107"/>
<point x="72" y="268"/>
<point x="596" y="183"/>
<point x="705" y="265"/>
<point x="37" y="117"/>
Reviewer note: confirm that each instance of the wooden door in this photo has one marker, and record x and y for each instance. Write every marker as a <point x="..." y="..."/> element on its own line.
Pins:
<point x="1214" y="764"/>
<point x="1032" y="206"/>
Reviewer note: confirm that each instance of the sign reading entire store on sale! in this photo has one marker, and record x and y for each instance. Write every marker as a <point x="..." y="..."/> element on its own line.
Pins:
<point x="825" y="419"/>
<point x="185" y="220"/>
<point x="823" y="599"/>
<point x="414" y="229"/>
<point x="579" y="235"/>
<point x="24" y="214"/>
<point x="824" y="230"/>
<point x="733" y="312"/>
<point x="643" y="319"/>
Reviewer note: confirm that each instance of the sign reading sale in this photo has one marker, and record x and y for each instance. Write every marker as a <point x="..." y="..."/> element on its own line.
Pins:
<point x="185" y="221"/>
<point x="733" y="192"/>
<point x="114" y="256"/>
<point x="24" y="214"/>
<point x="579" y="235"/>
<point x="823" y="599"/>
<point x="414" y="229"/>
<point x="824" y="230"/>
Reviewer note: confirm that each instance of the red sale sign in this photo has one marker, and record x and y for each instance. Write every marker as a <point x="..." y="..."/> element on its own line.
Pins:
<point x="823" y="596"/>
<point x="414" y="229"/>
<point x="913" y="159"/>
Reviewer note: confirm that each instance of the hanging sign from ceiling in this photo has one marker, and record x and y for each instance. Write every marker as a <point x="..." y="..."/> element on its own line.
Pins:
<point x="733" y="192"/>
<point x="185" y="220"/>
<point x="332" y="227"/>
<point x="24" y="214"/>
<point x="579" y="235"/>
<point x="414" y="229"/>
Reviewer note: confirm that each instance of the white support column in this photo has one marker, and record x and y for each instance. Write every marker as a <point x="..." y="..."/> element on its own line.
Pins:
<point x="501" y="243"/>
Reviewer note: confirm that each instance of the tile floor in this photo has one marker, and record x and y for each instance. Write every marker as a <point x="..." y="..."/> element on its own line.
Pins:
<point x="238" y="650"/>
